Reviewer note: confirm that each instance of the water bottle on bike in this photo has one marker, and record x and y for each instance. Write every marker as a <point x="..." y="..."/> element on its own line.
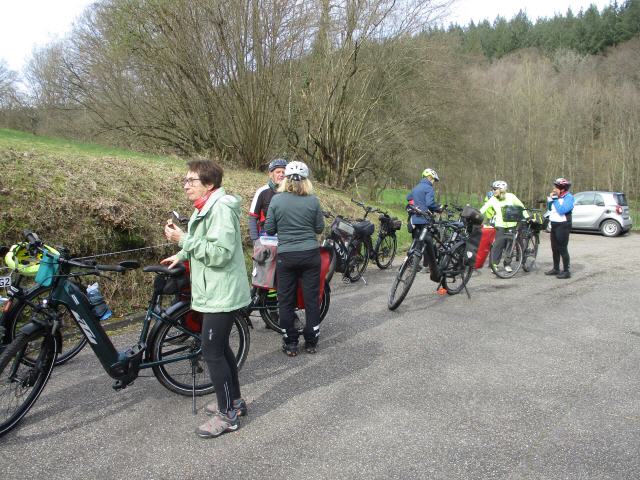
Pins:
<point x="98" y="305"/>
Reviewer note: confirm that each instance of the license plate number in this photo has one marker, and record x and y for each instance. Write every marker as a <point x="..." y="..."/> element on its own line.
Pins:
<point x="5" y="282"/>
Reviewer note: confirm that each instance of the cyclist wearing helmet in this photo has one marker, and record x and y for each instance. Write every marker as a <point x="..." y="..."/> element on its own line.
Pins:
<point x="560" y="206"/>
<point x="262" y="198"/>
<point x="423" y="197"/>
<point x="295" y="215"/>
<point x="494" y="208"/>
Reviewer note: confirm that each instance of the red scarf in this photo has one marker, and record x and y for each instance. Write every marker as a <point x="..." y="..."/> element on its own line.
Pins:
<point x="199" y="203"/>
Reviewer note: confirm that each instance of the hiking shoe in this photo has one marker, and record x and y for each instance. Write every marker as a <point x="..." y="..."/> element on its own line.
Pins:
<point x="218" y="424"/>
<point x="309" y="348"/>
<point x="508" y="269"/>
<point x="239" y="405"/>
<point x="553" y="271"/>
<point x="563" y="275"/>
<point x="291" y="349"/>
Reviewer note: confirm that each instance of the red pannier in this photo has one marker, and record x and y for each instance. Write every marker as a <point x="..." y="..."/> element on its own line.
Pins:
<point x="325" y="261"/>
<point x="488" y="235"/>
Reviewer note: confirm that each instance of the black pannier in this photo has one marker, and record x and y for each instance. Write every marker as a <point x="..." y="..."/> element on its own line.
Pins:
<point x="364" y="228"/>
<point x="472" y="215"/>
<point x="512" y="213"/>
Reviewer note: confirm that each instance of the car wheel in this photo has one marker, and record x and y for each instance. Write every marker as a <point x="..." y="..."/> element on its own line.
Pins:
<point x="610" y="228"/>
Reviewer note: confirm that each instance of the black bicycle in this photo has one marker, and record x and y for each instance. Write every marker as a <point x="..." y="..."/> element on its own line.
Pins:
<point x="384" y="250"/>
<point x="348" y="240"/>
<point x="449" y="241"/>
<point x="522" y="243"/>
<point x="169" y="340"/>
<point x="17" y="312"/>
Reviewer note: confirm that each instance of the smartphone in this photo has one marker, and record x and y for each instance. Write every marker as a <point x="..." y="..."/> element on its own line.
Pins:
<point x="178" y="219"/>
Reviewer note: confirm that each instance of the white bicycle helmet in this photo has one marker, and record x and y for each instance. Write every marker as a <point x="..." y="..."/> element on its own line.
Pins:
<point x="430" y="172"/>
<point x="499" y="185"/>
<point x="296" y="169"/>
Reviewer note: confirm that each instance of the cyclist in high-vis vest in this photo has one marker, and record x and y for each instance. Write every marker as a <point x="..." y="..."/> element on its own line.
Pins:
<point x="494" y="208"/>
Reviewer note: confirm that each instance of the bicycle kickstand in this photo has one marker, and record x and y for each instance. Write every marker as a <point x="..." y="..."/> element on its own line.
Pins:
<point x="193" y="388"/>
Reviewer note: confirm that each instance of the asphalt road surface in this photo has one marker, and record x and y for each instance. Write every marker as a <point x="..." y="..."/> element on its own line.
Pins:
<point x="530" y="378"/>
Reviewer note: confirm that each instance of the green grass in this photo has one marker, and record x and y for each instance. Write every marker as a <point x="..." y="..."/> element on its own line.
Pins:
<point x="24" y="140"/>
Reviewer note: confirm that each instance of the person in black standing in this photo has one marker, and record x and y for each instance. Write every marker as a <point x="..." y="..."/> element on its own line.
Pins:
<point x="296" y="217"/>
<point x="560" y="206"/>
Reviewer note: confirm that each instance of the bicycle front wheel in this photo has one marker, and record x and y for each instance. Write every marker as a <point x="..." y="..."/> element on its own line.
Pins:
<point x="386" y="251"/>
<point x="73" y="340"/>
<point x="510" y="262"/>
<point x="530" y="253"/>
<point x="171" y="343"/>
<point x="403" y="281"/>
<point x="357" y="261"/>
<point x="22" y="381"/>
<point x="457" y="270"/>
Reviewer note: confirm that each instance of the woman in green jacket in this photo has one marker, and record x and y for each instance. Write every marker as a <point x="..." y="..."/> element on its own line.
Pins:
<point x="219" y="285"/>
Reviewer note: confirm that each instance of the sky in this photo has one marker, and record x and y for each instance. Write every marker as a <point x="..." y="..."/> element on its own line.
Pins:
<point x="28" y="24"/>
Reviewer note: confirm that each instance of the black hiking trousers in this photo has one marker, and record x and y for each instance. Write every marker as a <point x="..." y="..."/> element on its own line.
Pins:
<point x="291" y="267"/>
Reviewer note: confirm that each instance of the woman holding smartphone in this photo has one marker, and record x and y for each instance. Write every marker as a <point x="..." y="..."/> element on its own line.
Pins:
<point x="219" y="285"/>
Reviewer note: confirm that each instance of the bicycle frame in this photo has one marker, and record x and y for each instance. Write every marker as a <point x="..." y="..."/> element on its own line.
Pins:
<point x="120" y="365"/>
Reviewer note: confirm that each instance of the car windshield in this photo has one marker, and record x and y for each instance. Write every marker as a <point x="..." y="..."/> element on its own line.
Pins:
<point x="621" y="199"/>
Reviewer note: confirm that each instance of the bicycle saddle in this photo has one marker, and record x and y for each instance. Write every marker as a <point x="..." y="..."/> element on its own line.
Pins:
<point x="172" y="272"/>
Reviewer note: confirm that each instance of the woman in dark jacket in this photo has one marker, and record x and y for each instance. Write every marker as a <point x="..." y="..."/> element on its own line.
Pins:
<point x="295" y="215"/>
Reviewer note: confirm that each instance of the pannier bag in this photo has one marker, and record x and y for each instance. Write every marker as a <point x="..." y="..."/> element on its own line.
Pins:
<point x="472" y="215"/>
<point x="364" y="228"/>
<point x="395" y="224"/>
<point x="538" y="220"/>
<point x="325" y="262"/>
<point x="263" y="274"/>
<point x="343" y="227"/>
<point x="473" y="243"/>
<point x="486" y="239"/>
<point x="512" y="213"/>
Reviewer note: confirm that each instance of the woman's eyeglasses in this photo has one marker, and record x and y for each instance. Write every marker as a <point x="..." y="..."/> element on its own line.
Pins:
<point x="190" y="181"/>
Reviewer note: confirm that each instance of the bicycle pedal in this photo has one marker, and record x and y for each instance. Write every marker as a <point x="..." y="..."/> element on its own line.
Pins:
<point x="442" y="291"/>
<point x="120" y="385"/>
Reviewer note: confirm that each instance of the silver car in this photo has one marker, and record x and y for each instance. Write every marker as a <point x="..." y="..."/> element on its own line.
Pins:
<point x="604" y="211"/>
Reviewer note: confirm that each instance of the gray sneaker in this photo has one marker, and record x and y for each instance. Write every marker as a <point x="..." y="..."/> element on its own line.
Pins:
<point x="218" y="424"/>
<point x="239" y="405"/>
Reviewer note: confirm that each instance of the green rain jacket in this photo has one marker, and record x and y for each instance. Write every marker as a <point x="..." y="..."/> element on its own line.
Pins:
<point x="494" y="207"/>
<point x="213" y="247"/>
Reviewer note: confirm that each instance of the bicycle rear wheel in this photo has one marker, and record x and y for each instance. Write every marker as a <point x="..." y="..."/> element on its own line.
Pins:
<point x="170" y="343"/>
<point x="386" y="251"/>
<point x="510" y="261"/>
<point x="272" y="318"/>
<point x="21" y="381"/>
<point x="73" y="340"/>
<point x="530" y="253"/>
<point x="403" y="281"/>
<point x="457" y="270"/>
<point x="357" y="261"/>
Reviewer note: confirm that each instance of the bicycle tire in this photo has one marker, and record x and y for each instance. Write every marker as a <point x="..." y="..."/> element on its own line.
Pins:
<point x="409" y="268"/>
<point x="456" y="267"/>
<point x="22" y="381"/>
<point x="73" y="340"/>
<point x="516" y="260"/>
<point x="272" y="318"/>
<point x="386" y="252"/>
<point x="531" y="253"/>
<point x="357" y="261"/>
<point x="177" y="376"/>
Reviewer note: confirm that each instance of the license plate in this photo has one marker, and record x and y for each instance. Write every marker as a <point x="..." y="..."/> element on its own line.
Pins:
<point x="5" y="282"/>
